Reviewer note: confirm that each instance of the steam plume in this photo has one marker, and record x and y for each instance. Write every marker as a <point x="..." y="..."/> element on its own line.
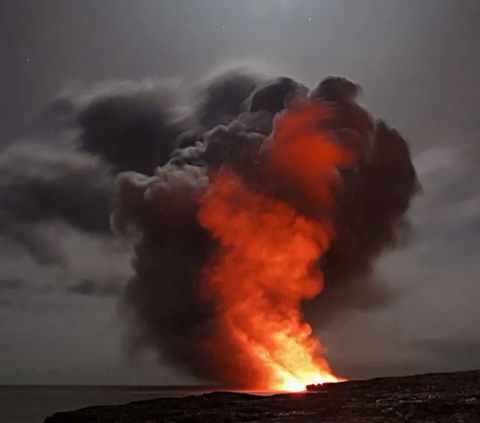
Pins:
<point x="164" y="138"/>
<point x="174" y="248"/>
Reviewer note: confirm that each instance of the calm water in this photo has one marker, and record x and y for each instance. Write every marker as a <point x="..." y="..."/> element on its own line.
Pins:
<point x="34" y="404"/>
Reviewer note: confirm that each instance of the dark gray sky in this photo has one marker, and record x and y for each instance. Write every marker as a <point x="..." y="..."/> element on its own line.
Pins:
<point x="419" y="65"/>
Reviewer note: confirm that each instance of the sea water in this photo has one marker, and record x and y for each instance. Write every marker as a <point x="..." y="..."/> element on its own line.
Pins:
<point x="32" y="404"/>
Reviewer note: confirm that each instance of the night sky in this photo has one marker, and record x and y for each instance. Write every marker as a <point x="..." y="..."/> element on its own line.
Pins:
<point x="419" y="65"/>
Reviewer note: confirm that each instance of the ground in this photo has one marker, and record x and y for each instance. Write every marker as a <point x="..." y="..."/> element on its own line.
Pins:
<point x="435" y="398"/>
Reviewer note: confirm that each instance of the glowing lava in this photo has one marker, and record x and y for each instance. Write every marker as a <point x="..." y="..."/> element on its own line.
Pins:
<point x="268" y="257"/>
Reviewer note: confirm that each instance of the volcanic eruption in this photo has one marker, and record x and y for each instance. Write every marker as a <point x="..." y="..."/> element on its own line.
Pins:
<point x="256" y="207"/>
<point x="237" y="235"/>
<point x="265" y="265"/>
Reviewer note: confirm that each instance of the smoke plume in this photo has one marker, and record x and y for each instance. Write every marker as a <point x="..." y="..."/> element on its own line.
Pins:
<point x="164" y="141"/>
<point x="164" y="297"/>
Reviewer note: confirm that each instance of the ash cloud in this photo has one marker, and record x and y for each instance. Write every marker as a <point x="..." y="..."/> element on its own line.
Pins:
<point x="221" y="97"/>
<point x="40" y="184"/>
<point x="132" y="125"/>
<point x="162" y="137"/>
<point x="371" y="217"/>
<point x="65" y="170"/>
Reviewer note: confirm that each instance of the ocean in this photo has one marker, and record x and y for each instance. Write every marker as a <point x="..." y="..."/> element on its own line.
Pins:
<point x="32" y="404"/>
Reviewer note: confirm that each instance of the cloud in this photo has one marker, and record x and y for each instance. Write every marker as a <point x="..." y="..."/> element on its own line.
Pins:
<point x="132" y="125"/>
<point x="172" y="248"/>
<point x="89" y="287"/>
<point x="11" y="284"/>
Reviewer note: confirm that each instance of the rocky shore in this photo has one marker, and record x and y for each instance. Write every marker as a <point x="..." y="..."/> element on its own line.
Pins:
<point x="435" y="398"/>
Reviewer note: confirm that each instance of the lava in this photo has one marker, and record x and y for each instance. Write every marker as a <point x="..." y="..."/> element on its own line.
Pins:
<point x="266" y="262"/>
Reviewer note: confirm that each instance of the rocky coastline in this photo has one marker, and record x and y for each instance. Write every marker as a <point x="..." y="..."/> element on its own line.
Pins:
<point x="435" y="398"/>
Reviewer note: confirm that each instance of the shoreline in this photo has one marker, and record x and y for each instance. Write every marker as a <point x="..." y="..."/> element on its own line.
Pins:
<point x="437" y="397"/>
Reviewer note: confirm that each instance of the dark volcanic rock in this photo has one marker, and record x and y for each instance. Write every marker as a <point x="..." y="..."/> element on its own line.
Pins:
<point x="435" y="398"/>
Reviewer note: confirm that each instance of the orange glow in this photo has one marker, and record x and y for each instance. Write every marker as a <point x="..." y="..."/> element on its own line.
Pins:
<point x="268" y="253"/>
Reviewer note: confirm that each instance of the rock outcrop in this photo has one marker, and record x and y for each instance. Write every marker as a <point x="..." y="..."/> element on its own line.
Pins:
<point x="435" y="398"/>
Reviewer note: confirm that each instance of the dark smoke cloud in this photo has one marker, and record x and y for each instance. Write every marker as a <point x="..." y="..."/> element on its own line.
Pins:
<point x="162" y="298"/>
<point x="41" y="184"/>
<point x="274" y="94"/>
<point x="132" y="125"/>
<point x="188" y="130"/>
<point x="221" y="97"/>
<point x="86" y="136"/>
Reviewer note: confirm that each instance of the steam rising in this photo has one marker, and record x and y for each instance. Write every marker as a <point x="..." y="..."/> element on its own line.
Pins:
<point x="174" y="248"/>
<point x="164" y="138"/>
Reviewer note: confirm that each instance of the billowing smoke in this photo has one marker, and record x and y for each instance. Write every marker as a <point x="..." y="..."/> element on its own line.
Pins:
<point x="132" y="125"/>
<point x="164" y="139"/>
<point x="164" y="297"/>
<point x="40" y="184"/>
<point x="221" y="97"/>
